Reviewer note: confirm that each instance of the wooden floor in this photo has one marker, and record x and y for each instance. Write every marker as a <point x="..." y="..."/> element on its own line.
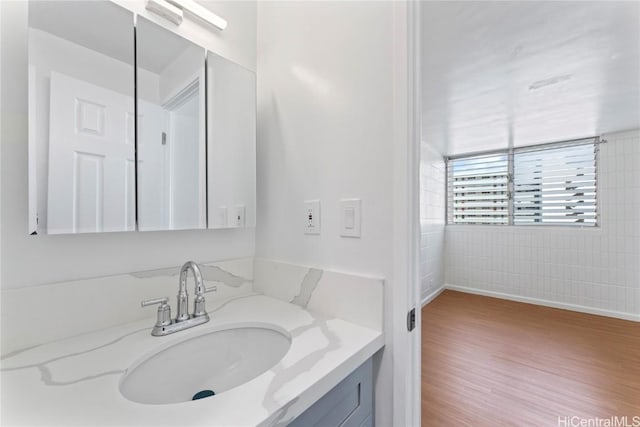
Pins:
<point x="491" y="362"/>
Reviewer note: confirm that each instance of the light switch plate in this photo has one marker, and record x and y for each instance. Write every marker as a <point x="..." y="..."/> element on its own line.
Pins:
<point x="350" y="217"/>
<point x="312" y="217"/>
<point x="221" y="220"/>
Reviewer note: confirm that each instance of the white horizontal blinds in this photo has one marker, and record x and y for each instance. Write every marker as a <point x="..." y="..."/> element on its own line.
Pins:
<point x="555" y="184"/>
<point x="478" y="190"/>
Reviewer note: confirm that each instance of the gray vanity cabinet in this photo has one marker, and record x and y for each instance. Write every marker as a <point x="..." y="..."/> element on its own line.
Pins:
<point x="349" y="404"/>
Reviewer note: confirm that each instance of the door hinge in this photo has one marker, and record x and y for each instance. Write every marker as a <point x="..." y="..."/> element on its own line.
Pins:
<point x="411" y="320"/>
<point x="164" y="138"/>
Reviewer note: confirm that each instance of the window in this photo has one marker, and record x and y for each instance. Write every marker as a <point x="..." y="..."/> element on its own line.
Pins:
<point x="550" y="184"/>
<point x="479" y="190"/>
<point x="555" y="185"/>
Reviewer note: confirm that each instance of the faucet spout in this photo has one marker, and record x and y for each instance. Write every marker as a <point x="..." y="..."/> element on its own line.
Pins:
<point x="183" y="296"/>
<point x="164" y="325"/>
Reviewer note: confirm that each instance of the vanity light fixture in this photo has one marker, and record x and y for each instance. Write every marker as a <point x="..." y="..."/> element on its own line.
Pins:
<point x="173" y="11"/>
<point x="166" y="10"/>
<point x="201" y="12"/>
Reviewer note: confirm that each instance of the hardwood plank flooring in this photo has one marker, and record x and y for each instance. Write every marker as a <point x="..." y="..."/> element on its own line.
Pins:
<point x="492" y="362"/>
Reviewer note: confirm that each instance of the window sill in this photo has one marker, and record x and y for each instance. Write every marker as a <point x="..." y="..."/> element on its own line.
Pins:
<point x="596" y="228"/>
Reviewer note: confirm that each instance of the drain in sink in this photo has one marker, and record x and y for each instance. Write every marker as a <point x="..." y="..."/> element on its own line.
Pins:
<point x="202" y="394"/>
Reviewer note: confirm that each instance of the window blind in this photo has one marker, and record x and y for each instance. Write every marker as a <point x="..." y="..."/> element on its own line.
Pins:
<point x="478" y="190"/>
<point x="555" y="184"/>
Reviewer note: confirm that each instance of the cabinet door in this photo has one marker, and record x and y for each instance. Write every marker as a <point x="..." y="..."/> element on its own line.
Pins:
<point x="231" y="144"/>
<point x="81" y="118"/>
<point x="171" y="130"/>
<point x="349" y="404"/>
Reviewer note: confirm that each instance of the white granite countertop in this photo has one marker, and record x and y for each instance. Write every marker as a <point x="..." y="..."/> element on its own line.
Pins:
<point x="76" y="381"/>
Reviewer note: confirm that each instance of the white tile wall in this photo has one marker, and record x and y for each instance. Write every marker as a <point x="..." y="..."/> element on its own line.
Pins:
<point x="595" y="269"/>
<point x="432" y="220"/>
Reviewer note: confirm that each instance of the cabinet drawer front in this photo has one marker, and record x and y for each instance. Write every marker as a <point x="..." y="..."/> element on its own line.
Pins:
<point x="348" y="404"/>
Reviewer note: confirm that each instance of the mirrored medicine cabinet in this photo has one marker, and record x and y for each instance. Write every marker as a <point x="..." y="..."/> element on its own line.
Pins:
<point x="133" y="127"/>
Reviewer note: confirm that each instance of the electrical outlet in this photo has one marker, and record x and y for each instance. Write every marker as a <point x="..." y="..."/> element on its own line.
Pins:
<point x="238" y="216"/>
<point x="312" y="217"/>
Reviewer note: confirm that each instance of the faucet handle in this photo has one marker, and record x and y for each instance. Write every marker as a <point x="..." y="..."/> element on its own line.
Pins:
<point x="149" y="302"/>
<point x="198" y="304"/>
<point x="164" y="310"/>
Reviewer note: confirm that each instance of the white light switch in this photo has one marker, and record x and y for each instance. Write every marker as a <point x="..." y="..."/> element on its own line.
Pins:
<point x="350" y="217"/>
<point x="221" y="220"/>
<point x="312" y="217"/>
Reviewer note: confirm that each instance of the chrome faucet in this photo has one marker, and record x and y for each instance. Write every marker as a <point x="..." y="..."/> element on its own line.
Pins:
<point x="183" y="296"/>
<point x="164" y="325"/>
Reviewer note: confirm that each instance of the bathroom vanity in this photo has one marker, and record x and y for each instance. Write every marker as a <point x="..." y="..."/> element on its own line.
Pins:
<point x="78" y="381"/>
<point x="264" y="358"/>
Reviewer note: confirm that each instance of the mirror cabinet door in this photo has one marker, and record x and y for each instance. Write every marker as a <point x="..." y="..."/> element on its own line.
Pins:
<point x="81" y="117"/>
<point x="89" y="122"/>
<point x="171" y="130"/>
<point x="231" y="144"/>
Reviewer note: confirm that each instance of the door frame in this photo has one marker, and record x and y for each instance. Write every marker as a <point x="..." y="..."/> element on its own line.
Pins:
<point x="194" y="89"/>
<point x="406" y="292"/>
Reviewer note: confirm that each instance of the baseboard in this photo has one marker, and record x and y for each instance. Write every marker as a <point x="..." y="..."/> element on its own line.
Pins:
<point x="546" y="303"/>
<point x="426" y="300"/>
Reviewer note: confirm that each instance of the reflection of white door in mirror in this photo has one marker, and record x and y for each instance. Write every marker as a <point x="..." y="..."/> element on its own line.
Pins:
<point x="81" y="101"/>
<point x="91" y="158"/>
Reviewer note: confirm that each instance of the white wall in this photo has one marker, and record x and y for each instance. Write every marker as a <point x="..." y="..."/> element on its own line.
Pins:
<point x="30" y="260"/>
<point x="591" y="269"/>
<point x="181" y="72"/>
<point x="326" y="131"/>
<point x="432" y="220"/>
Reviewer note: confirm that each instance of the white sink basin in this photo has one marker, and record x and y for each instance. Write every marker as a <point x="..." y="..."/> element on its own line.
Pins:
<point x="216" y="361"/>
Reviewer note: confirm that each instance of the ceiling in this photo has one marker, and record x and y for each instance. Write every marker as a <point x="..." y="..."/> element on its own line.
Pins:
<point x="159" y="47"/>
<point x="496" y="74"/>
<point x="98" y="25"/>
